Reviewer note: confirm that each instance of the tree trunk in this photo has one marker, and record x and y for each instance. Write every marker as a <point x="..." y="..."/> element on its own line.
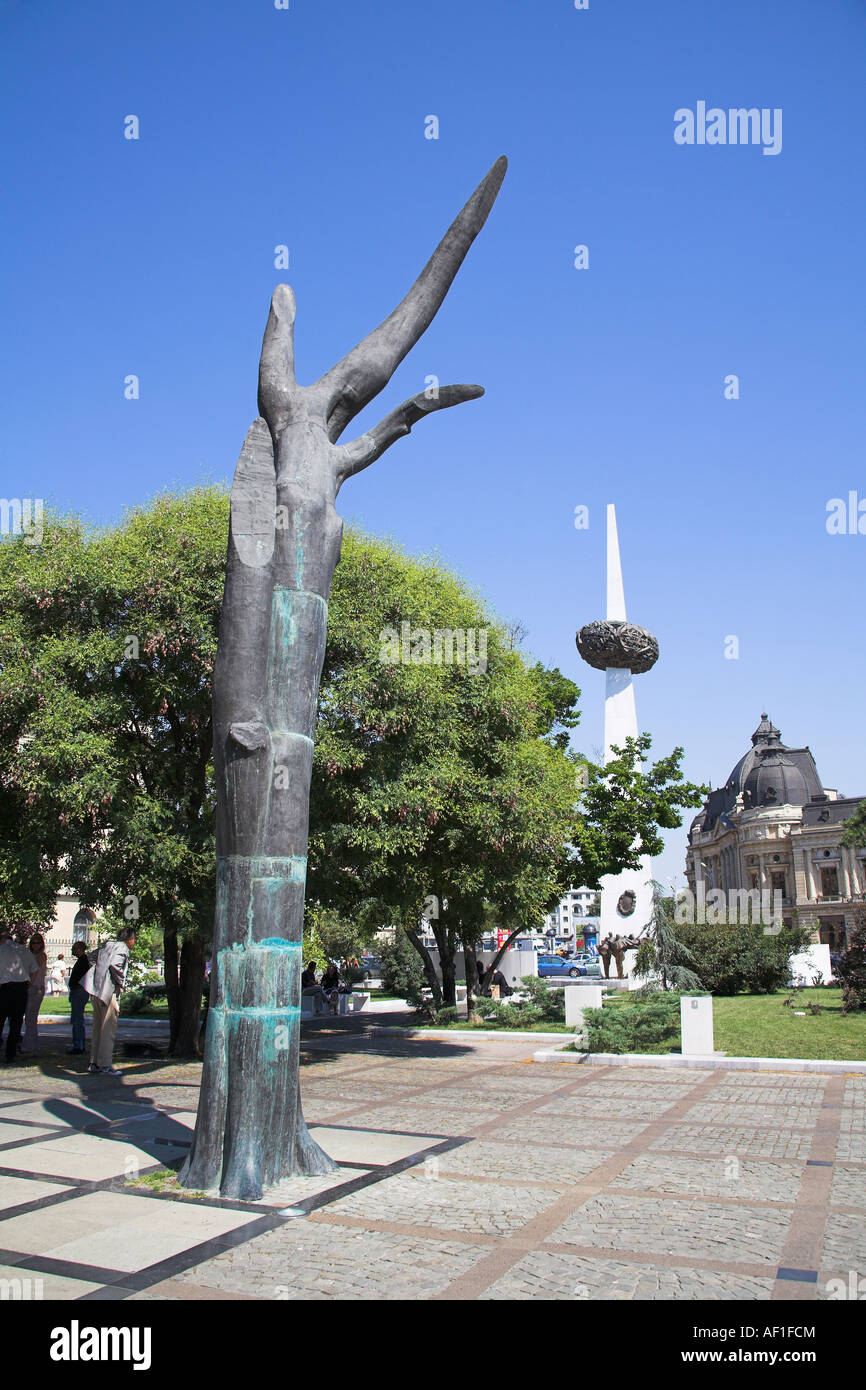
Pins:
<point x="172" y="990"/>
<point x="446" y="942"/>
<point x="429" y="968"/>
<point x="472" y="973"/>
<point x="284" y="545"/>
<point x="185" y="1039"/>
<point x="494" y="964"/>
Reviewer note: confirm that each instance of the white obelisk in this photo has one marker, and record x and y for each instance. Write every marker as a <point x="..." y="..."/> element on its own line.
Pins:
<point x="620" y="723"/>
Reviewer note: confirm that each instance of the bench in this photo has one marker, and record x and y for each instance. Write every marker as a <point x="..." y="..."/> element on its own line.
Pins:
<point x="346" y="1004"/>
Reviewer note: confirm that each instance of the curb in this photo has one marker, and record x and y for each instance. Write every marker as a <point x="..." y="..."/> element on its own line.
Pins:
<point x="482" y="1034"/>
<point x="711" y="1062"/>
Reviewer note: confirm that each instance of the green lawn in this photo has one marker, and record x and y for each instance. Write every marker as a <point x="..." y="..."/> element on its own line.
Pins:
<point x="759" y="1025"/>
<point x="59" y="1004"/>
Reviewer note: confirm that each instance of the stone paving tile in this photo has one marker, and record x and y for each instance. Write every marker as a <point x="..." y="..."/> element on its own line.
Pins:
<point x="487" y="1159"/>
<point x="446" y="1204"/>
<point x="422" y="1118"/>
<point x="369" y="1147"/>
<point x="15" y="1191"/>
<point x="601" y="1107"/>
<point x="37" y="1285"/>
<point x="671" y="1076"/>
<point x="849" y="1187"/>
<point x="19" y="1134"/>
<point x="550" y="1275"/>
<point x="613" y="1092"/>
<point x="851" y="1147"/>
<point x="767" y="1095"/>
<point x="741" y="1113"/>
<point x="768" y="1080"/>
<point x="311" y="1260"/>
<point x="518" y="1083"/>
<point x="117" y="1230"/>
<point x="728" y="1139"/>
<point x="292" y="1190"/>
<point x="723" y="1176"/>
<point x="702" y="1230"/>
<point x="88" y="1157"/>
<point x="852" y="1119"/>
<point x="73" y="1113"/>
<point x="555" y="1129"/>
<point x="349" y="1092"/>
<point x="322" y="1112"/>
<point x="844" y="1244"/>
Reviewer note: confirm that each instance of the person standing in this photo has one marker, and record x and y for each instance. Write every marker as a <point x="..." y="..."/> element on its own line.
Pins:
<point x="57" y="976"/>
<point x="104" y="983"/>
<point x="78" y="996"/>
<point x="617" y="950"/>
<point x="604" y="954"/>
<point x="35" y="994"/>
<point x="17" y="967"/>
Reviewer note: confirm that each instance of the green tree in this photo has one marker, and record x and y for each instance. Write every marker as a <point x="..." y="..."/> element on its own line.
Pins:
<point x="854" y="833"/>
<point x="108" y="644"/>
<point x="661" y="953"/>
<point x="434" y="779"/>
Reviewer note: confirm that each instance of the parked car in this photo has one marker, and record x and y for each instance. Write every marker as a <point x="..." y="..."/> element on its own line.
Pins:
<point x="555" y="966"/>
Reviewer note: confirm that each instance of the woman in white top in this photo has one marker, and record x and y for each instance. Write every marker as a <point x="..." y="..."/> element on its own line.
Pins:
<point x="57" y="977"/>
<point x="35" y="994"/>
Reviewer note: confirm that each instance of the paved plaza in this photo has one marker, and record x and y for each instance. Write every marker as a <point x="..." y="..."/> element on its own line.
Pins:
<point x="467" y="1171"/>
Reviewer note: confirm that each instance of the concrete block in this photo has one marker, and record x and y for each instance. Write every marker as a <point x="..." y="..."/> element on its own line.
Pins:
<point x="696" y="1021"/>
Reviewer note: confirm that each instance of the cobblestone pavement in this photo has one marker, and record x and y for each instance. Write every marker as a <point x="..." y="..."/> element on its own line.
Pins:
<point x="467" y="1171"/>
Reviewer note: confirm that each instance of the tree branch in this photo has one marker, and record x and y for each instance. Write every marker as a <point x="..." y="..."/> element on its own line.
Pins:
<point x="368" y="447"/>
<point x="277" y="361"/>
<point x="364" y="371"/>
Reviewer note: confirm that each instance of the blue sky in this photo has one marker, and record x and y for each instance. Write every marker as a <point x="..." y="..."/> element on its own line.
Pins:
<point x="306" y="127"/>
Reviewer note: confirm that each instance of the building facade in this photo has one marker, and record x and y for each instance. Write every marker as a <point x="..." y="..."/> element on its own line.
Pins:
<point x="572" y="917"/>
<point x="774" y="828"/>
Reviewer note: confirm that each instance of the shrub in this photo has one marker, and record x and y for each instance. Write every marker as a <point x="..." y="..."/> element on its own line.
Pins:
<point x="543" y="1006"/>
<point x="402" y="970"/>
<point x="635" y="1026"/>
<point x="741" y="959"/>
<point x="850" y="969"/>
<point x="135" y="1001"/>
<point x="443" y="1018"/>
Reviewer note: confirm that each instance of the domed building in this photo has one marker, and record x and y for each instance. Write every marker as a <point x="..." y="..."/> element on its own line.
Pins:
<point x="773" y="827"/>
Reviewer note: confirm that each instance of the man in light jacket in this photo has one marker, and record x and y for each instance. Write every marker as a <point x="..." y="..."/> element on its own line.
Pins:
<point x="17" y="965"/>
<point x="104" y="983"/>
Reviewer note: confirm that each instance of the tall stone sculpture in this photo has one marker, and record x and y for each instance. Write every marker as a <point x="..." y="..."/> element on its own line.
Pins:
<point x="622" y="650"/>
<point x="284" y="545"/>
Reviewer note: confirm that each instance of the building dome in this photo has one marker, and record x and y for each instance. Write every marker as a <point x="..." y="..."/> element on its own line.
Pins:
<point x="776" y="779"/>
<point x="769" y="774"/>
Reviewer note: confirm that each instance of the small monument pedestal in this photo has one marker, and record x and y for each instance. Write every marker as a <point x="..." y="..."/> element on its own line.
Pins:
<point x="696" y="1023"/>
<point x="578" y="998"/>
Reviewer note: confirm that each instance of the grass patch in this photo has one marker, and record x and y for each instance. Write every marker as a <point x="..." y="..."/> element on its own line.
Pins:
<point x="59" y="1004"/>
<point x="165" y="1180"/>
<point x="759" y="1025"/>
<point x="490" y="1026"/>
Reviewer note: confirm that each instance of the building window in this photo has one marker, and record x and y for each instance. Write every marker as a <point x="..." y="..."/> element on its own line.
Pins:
<point x="84" y="920"/>
<point x="829" y="883"/>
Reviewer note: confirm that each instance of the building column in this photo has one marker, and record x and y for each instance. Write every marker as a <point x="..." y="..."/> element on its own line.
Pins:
<point x="845" y="885"/>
